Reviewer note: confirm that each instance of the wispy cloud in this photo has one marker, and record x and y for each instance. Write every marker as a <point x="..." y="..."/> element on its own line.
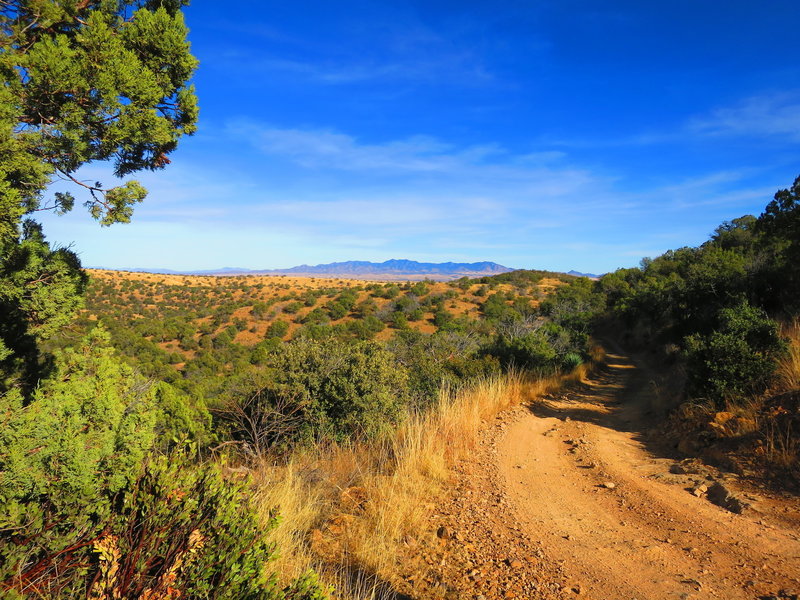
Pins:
<point x="330" y="149"/>
<point x="326" y="149"/>
<point x="766" y="115"/>
<point x="436" y="69"/>
<point x="315" y="195"/>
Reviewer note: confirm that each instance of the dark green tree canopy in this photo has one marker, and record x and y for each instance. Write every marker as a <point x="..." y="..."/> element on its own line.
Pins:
<point x="82" y="81"/>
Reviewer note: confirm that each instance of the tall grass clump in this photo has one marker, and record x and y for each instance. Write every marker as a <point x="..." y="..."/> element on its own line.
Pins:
<point x="788" y="372"/>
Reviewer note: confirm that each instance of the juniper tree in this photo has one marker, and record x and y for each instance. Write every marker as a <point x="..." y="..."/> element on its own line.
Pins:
<point x="82" y="81"/>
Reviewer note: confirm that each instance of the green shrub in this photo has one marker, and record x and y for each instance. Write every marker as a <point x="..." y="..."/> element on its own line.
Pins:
<point x="366" y="328"/>
<point x="176" y="528"/>
<point x="442" y="318"/>
<point x="316" y="316"/>
<point x="277" y="329"/>
<point x="571" y="360"/>
<point x="336" y="310"/>
<point x="737" y="358"/>
<point x="292" y="307"/>
<point x="531" y="351"/>
<point x="544" y="349"/>
<point x="345" y="388"/>
<point x="88" y="510"/>
<point x="399" y="320"/>
<point x="444" y="358"/>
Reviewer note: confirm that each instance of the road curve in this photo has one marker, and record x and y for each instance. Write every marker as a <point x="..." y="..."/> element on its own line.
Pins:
<point x="582" y="479"/>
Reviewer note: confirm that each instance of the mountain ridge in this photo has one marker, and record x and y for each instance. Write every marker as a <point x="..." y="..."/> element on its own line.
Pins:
<point x="395" y="268"/>
<point x="355" y="267"/>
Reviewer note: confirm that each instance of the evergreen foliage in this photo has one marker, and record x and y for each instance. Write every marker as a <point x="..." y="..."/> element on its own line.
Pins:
<point x="718" y="304"/>
<point x="82" y="82"/>
<point x="737" y="358"/>
<point x="89" y="504"/>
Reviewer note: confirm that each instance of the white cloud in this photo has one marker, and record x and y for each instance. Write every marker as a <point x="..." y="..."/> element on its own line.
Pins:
<point x="330" y="149"/>
<point x="775" y="114"/>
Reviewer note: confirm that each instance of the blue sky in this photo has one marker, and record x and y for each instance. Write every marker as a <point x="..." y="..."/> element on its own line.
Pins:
<point x="538" y="134"/>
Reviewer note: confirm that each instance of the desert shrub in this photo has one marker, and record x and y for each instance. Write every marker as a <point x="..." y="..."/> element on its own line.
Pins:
<point x="179" y="417"/>
<point x="416" y="315"/>
<point x="405" y="303"/>
<point x="442" y="318"/>
<point x="345" y="388"/>
<point x="388" y="291"/>
<point x="537" y="345"/>
<point x="347" y="299"/>
<point x="277" y="329"/>
<point x="67" y="454"/>
<point x="399" y="320"/>
<point x="176" y="530"/>
<point x="310" y="299"/>
<point x="495" y="307"/>
<point x="420" y="289"/>
<point x="224" y="338"/>
<point x="315" y="331"/>
<point x="315" y="316"/>
<point x="366" y="308"/>
<point x="366" y="328"/>
<point x="575" y="306"/>
<point x="737" y="358"/>
<point x="571" y="360"/>
<point x="531" y="351"/>
<point x="292" y="307"/>
<point x="336" y="310"/>
<point x="444" y="358"/>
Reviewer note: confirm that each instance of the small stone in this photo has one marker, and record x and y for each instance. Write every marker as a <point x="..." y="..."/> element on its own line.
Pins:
<point x="722" y="496"/>
<point x="699" y="490"/>
<point x="609" y="485"/>
<point x="443" y="533"/>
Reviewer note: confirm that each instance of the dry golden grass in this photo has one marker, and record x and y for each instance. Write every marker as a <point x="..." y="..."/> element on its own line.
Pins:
<point x="789" y="366"/>
<point x="347" y="510"/>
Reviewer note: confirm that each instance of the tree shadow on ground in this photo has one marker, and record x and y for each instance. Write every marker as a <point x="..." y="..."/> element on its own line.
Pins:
<point x="620" y="394"/>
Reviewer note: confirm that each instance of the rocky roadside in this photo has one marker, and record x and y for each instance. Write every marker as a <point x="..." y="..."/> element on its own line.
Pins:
<point x="473" y="549"/>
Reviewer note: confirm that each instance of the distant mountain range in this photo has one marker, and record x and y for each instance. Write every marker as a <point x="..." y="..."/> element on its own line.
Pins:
<point x="362" y="269"/>
<point x="395" y="268"/>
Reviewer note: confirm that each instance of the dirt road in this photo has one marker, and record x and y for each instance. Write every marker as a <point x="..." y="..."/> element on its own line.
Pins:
<point x="568" y="498"/>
